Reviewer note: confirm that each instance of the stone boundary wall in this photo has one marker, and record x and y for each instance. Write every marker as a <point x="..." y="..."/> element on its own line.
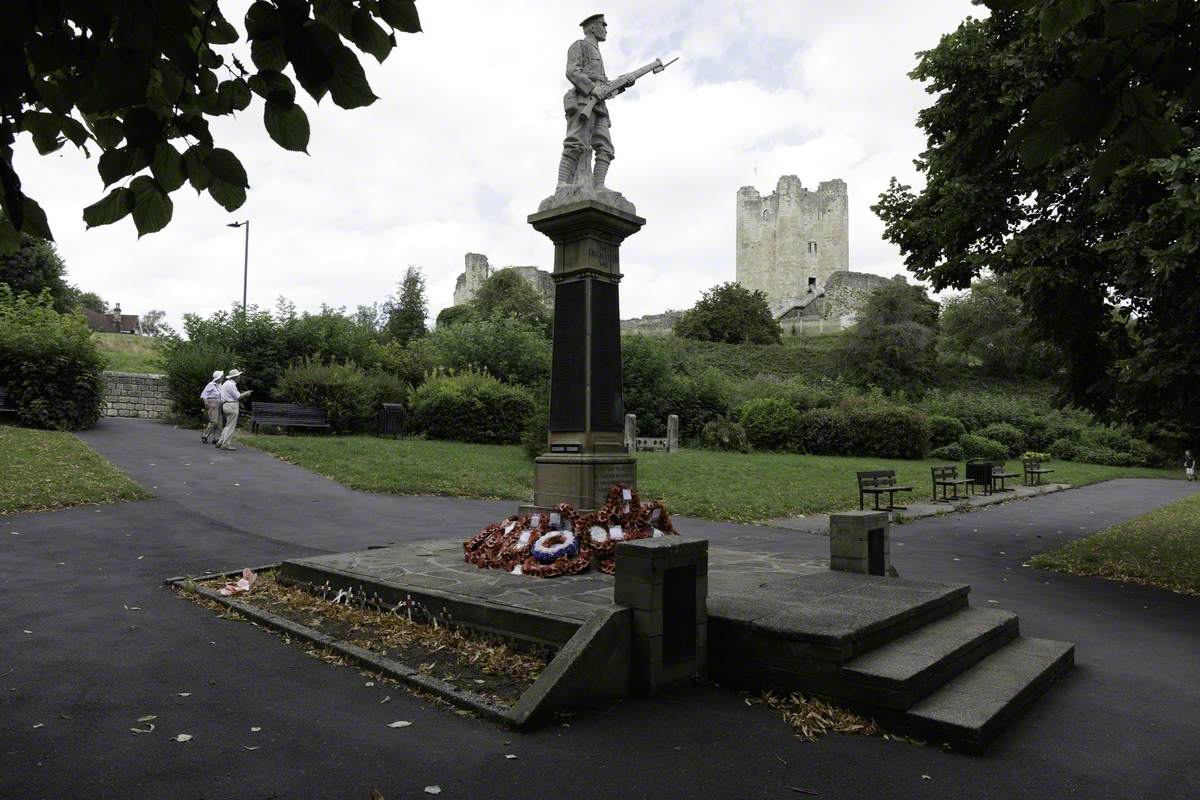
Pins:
<point x="131" y="394"/>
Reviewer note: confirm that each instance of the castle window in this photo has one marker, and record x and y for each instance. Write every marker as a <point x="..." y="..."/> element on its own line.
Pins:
<point x="812" y="284"/>
<point x="812" y="247"/>
<point x="766" y="213"/>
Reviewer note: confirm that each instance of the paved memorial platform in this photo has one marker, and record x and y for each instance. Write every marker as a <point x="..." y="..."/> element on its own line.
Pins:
<point x="912" y="653"/>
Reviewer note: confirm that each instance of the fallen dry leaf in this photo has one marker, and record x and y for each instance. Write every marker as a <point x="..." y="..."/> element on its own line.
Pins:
<point x="40" y="725"/>
<point x="433" y="790"/>
<point x="183" y="737"/>
<point x="400" y="723"/>
<point x="511" y="756"/>
<point x="185" y="694"/>
<point x="255" y="729"/>
<point x="148" y="718"/>
<point x="248" y="747"/>
<point x="385" y="700"/>
<point x="148" y="729"/>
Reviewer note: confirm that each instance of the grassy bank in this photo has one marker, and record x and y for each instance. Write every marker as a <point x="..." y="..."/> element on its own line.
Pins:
<point x="48" y="469"/>
<point x="1160" y="549"/>
<point x="128" y="353"/>
<point x="700" y="483"/>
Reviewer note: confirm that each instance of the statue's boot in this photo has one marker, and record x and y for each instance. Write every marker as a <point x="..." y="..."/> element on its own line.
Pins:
<point x="566" y="169"/>
<point x="601" y="171"/>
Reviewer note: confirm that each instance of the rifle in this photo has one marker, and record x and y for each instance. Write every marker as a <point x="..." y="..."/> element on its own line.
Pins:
<point x="615" y="87"/>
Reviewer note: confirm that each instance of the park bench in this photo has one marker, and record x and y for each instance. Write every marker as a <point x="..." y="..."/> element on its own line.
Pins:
<point x="5" y="403"/>
<point x="877" y="482"/>
<point x="286" y="415"/>
<point x="1034" y="471"/>
<point x="988" y="473"/>
<point x="947" y="478"/>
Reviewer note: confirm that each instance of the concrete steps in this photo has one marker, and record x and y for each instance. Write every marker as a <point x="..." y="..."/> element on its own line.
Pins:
<point x="905" y="670"/>
<point x="969" y="711"/>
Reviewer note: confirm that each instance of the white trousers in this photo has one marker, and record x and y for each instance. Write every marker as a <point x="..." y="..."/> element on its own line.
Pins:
<point x="231" y="417"/>
<point x="212" y="410"/>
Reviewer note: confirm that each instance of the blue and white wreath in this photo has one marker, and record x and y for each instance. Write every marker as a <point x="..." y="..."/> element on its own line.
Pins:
<point x="555" y="545"/>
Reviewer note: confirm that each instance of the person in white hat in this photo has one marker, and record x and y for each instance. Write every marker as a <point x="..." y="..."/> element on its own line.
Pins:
<point x="212" y="406"/>
<point x="230" y="397"/>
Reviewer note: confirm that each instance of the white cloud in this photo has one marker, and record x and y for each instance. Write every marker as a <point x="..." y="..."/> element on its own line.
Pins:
<point x="465" y="139"/>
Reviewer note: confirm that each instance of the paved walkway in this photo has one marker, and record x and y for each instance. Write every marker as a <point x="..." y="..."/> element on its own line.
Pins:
<point x="107" y="645"/>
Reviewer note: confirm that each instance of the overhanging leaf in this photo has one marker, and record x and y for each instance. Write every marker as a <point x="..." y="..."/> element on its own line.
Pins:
<point x="197" y="173"/>
<point x="287" y="125"/>
<point x="167" y="167"/>
<point x="152" y="208"/>
<point x="120" y="162"/>
<point x="108" y="131"/>
<point x="1151" y="136"/>
<point x="115" y="205"/>
<point x="229" y="196"/>
<point x="369" y="37"/>
<point x="1042" y="143"/>
<point x="225" y="165"/>
<point x="34" y="222"/>
<point x="10" y="237"/>
<point x="401" y="15"/>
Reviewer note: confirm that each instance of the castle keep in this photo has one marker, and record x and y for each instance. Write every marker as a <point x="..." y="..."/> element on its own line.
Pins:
<point x="791" y="242"/>
<point x="476" y="270"/>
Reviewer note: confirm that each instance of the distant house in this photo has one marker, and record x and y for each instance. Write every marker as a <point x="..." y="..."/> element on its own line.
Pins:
<point x="115" y="322"/>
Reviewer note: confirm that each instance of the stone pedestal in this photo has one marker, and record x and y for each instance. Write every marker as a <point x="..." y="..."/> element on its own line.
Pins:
<point x="859" y="541"/>
<point x="586" y="449"/>
<point x="665" y="582"/>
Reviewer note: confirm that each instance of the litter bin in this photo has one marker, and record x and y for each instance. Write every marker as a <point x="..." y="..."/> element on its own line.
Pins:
<point x="390" y="420"/>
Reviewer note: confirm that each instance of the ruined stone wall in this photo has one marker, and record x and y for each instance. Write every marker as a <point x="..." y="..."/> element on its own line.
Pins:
<point x="847" y="292"/>
<point x="791" y="236"/>
<point x="476" y="270"/>
<point x="130" y="394"/>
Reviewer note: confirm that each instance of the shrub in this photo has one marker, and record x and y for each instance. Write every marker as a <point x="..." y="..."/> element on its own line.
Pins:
<point x="646" y="372"/>
<point x="771" y="424"/>
<point x="470" y="406"/>
<point x="894" y="343"/>
<point x="730" y="313"/>
<point x="340" y="390"/>
<point x="380" y="388"/>
<point x="409" y="364"/>
<point x="951" y="452"/>
<point x="945" y="430"/>
<point x="698" y="399"/>
<point x="1034" y="455"/>
<point x="981" y="448"/>
<point x="48" y="364"/>
<point x="888" y="432"/>
<point x="535" y="436"/>
<point x="452" y="315"/>
<point x="1065" y="449"/>
<point x="799" y="393"/>
<point x="1007" y="435"/>
<point x="189" y="367"/>
<point x="824" y="431"/>
<point x="509" y="349"/>
<point x="724" y="434"/>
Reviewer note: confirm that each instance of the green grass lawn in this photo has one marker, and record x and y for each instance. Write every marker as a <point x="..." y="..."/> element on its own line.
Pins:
<point x="128" y="353"/>
<point x="1160" y="549"/>
<point x="699" y="483"/>
<point x="50" y="469"/>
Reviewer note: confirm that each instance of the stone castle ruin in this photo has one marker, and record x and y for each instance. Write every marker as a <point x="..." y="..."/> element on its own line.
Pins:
<point x="794" y="246"/>
<point x="476" y="270"/>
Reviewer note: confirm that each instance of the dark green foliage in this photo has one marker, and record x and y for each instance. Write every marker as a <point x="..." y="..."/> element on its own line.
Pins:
<point x="770" y="424"/>
<point x="894" y="343"/>
<point x="35" y="267"/>
<point x="535" y="437"/>
<point x="986" y="326"/>
<point x="511" y="350"/>
<point x="945" y="430"/>
<point x="1063" y="157"/>
<point x="406" y="317"/>
<point x="90" y="300"/>
<point x="1008" y="435"/>
<point x="407" y="364"/>
<point x="730" y="313"/>
<point x="698" y="399"/>
<point x="864" y="429"/>
<point x="951" y="452"/>
<point x="49" y="366"/>
<point x="139" y="81"/>
<point x="188" y="367"/>
<point x="505" y="294"/>
<point x="470" y="407"/>
<point x="340" y="390"/>
<point x="826" y="431"/>
<point x="724" y="434"/>
<point x="981" y="448"/>
<point x="647" y="370"/>
<point x="452" y="315"/>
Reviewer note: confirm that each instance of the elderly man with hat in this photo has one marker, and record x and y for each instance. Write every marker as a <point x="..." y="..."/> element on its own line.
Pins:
<point x="231" y="396"/>
<point x="211" y="396"/>
<point x="585" y="71"/>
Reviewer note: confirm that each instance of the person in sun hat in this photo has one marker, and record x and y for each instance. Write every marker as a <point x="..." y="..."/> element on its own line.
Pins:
<point x="211" y="396"/>
<point x="231" y="396"/>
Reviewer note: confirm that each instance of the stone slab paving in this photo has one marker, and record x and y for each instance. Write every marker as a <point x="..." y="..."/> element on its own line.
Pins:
<point x="920" y="509"/>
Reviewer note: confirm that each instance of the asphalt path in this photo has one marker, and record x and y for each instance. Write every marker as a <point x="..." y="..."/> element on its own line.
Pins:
<point x="90" y="642"/>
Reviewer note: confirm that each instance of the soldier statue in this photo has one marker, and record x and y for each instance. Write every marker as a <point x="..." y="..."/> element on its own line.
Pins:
<point x="587" y="114"/>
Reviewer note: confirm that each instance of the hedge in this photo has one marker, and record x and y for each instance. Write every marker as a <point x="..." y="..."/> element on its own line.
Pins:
<point x="470" y="406"/>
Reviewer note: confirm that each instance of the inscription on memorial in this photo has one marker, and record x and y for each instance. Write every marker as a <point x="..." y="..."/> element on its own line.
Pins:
<point x="608" y="474"/>
<point x="603" y="255"/>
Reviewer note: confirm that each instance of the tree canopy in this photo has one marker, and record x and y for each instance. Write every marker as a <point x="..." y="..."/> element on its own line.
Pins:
<point x="406" y="317"/>
<point x="506" y="294"/>
<point x="894" y="342"/>
<point x="139" y="81"/>
<point x="730" y="313"/>
<point x="1093" y="226"/>
<point x="987" y="327"/>
<point x="35" y="267"/>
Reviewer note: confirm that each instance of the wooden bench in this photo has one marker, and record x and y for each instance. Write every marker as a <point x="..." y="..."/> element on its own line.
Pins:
<point x="286" y="415"/>
<point x="947" y="478"/>
<point x="1034" y="471"/>
<point x="877" y="482"/>
<point x="6" y="405"/>
<point x="987" y="473"/>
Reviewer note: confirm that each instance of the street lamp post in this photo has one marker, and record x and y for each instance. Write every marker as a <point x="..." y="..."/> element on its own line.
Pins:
<point x="245" y="260"/>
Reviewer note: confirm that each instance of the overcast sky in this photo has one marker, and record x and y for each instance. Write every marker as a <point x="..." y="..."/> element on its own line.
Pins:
<point x="465" y="139"/>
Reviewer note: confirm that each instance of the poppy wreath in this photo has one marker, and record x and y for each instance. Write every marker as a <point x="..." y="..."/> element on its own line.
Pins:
<point x="530" y="545"/>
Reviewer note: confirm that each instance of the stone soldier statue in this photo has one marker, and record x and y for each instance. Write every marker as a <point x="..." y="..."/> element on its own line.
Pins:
<point x="586" y="131"/>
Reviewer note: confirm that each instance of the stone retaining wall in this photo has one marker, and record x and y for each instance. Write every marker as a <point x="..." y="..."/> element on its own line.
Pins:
<point x="129" y="394"/>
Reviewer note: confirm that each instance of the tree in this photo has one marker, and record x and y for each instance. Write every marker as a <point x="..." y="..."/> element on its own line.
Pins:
<point x="986" y="326"/>
<point x="92" y="301"/>
<point x="406" y="317"/>
<point x="153" y="325"/>
<point x="131" y="77"/>
<point x="894" y="342"/>
<point x="35" y="267"/>
<point x="506" y="294"/>
<point x="730" y="313"/>
<point x="1105" y="267"/>
<point x="453" y="315"/>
